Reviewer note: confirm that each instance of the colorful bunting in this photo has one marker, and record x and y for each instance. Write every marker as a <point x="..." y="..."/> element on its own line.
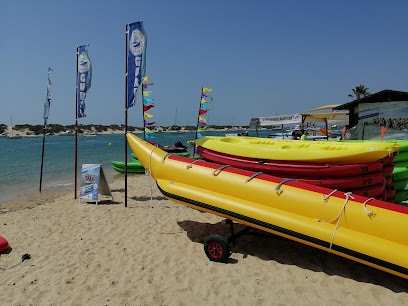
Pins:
<point x="147" y="105"/>
<point x="203" y="109"/>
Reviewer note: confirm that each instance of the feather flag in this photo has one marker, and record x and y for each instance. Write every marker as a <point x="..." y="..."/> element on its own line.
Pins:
<point x="136" y="59"/>
<point x="47" y="103"/>
<point x="84" y="78"/>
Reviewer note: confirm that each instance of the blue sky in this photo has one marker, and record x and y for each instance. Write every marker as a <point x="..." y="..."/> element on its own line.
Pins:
<point x="261" y="58"/>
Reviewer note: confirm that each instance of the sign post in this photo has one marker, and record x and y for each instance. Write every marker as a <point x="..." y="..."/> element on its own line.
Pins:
<point x="93" y="183"/>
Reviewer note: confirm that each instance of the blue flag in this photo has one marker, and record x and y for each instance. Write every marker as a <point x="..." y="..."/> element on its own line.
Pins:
<point x="48" y="99"/>
<point x="136" y="64"/>
<point x="84" y="78"/>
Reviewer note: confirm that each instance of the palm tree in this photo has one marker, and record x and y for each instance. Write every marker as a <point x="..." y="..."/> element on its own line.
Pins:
<point x="359" y="92"/>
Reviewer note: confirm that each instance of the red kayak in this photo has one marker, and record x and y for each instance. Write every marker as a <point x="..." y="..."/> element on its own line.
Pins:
<point x="288" y="168"/>
<point x="4" y="246"/>
<point x="349" y="182"/>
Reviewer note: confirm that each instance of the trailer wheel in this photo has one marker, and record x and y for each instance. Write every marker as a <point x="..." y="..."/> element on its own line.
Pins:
<point x="216" y="248"/>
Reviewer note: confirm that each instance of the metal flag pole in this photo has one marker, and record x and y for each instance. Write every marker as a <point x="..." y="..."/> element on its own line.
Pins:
<point x="198" y="120"/>
<point x="46" y="112"/>
<point x="126" y="112"/>
<point x="76" y="128"/>
<point x="143" y="114"/>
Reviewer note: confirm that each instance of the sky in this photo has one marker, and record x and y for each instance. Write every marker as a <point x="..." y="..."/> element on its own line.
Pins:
<point x="261" y="58"/>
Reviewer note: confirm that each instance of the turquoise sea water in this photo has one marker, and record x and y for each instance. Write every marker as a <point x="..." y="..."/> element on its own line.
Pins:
<point x="20" y="159"/>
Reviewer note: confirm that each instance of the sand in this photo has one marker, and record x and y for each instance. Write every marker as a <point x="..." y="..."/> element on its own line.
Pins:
<point x="151" y="253"/>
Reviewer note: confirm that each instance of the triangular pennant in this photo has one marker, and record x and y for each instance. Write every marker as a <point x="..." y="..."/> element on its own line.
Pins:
<point x="147" y="115"/>
<point x="147" y="107"/>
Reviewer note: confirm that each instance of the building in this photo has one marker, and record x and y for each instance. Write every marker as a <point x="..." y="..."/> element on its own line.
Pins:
<point x="386" y="107"/>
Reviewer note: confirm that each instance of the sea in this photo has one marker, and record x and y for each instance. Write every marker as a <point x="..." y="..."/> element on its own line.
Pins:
<point x="20" y="159"/>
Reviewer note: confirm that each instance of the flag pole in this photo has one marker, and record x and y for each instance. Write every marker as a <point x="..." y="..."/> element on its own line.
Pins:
<point x="126" y="112"/>
<point x="76" y="128"/>
<point x="42" y="157"/>
<point x="198" y="120"/>
<point x="46" y="112"/>
<point x="143" y="114"/>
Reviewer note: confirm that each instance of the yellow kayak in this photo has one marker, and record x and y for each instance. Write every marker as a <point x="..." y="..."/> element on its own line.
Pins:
<point x="362" y="229"/>
<point x="301" y="151"/>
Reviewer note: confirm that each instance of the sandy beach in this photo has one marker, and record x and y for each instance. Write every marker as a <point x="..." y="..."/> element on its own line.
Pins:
<point x="151" y="253"/>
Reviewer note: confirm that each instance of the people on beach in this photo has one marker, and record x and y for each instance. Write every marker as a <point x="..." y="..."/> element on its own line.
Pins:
<point x="344" y="135"/>
<point x="303" y="135"/>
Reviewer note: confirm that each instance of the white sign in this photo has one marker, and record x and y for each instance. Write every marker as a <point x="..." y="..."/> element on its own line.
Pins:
<point x="93" y="182"/>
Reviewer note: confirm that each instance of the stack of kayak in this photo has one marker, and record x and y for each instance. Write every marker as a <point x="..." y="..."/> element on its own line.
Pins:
<point x="399" y="174"/>
<point x="363" y="168"/>
<point x="135" y="166"/>
<point x="396" y="173"/>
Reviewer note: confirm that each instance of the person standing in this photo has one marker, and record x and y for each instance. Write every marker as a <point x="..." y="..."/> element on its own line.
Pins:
<point x="344" y="132"/>
<point x="303" y="135"/>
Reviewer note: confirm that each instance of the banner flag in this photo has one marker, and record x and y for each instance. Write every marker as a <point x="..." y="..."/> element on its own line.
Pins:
<point x="48" y="99"/>
<point x="206" y="89"/>
<point x="136" y="63"/>
<point x="84" y="78"/>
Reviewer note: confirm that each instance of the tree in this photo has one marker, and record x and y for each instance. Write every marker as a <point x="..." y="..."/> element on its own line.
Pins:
<point x="359" y="92"/>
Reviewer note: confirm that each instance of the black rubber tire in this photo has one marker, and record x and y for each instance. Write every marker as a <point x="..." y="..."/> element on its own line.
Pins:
<point x="216" y="248"/>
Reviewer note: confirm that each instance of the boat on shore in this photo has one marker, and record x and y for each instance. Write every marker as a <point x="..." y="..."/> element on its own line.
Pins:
<point x="132" y="167"/>
<point x="366" y="230"/>
<point x="332" y="152"/>
<point x="290" y="168"/>
<point x="135" y="166"/>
